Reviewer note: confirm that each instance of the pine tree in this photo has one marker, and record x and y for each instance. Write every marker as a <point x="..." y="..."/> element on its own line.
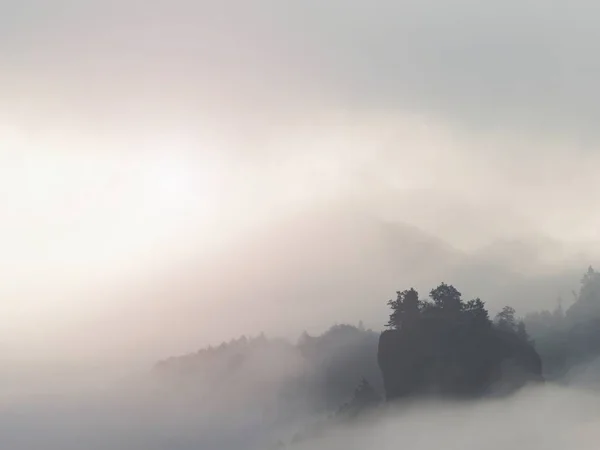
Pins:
<point x="505" y="319"/>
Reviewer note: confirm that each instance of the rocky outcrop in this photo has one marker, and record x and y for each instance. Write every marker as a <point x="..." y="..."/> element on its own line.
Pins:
<point x="457" y="362"/>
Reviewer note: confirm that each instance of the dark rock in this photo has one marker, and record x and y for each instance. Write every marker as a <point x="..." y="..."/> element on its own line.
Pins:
<point x="455" y="362"/>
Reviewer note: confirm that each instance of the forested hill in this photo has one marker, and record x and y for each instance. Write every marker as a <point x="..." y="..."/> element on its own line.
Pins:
<point x="317" y="373"/>
<point x="441" y="345"/>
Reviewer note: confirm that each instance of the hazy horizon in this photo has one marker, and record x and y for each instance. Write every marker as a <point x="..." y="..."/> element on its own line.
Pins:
<point x="141" y="141"/>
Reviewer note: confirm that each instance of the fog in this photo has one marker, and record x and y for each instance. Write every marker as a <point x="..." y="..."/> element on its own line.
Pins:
<point x="549" y="418"/>
<point x="134" y="415"/>
<point x="177" y="174"/>
<point x="141" y="140"/>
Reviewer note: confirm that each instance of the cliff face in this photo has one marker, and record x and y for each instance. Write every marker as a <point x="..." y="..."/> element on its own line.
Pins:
<point x="457" y="362"/>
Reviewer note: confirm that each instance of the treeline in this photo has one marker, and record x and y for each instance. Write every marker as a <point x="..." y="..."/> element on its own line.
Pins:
<point x="446" y="346"/>
<point x="317" y="373"/>
<point x="568" y="338"/>
<point x="441" y="345"/>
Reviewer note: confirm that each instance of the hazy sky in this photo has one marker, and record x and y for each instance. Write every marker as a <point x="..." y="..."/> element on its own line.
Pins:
<point x="134" y="134"/>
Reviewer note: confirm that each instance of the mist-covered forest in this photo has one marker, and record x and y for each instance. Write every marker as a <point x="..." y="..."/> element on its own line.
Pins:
<point x="436" y="347"/>
<point x="299" y="225"/>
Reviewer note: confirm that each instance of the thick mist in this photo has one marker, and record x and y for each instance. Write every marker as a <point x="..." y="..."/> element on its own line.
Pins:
<point x="178" y="177"/>
<point x="550" y="417"/>
<point x="148" y="148"/>
<point x="135" y="415"/>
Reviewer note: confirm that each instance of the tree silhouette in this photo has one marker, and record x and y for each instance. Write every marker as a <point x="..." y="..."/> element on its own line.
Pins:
<point x="505" y="320"/>
<point x="449" y="346"/>
<point x="522" y="332"/>
<point x="476" y="313"/>
<point x="447" y="299"/>
<point x="406" y="309"/>
<point x="587" y="302"/>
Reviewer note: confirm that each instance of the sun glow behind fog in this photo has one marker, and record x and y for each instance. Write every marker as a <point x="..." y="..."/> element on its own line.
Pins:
<point x="85" y="211"/>
<point x="180" y="181"/>
<point x="78" y="213"/>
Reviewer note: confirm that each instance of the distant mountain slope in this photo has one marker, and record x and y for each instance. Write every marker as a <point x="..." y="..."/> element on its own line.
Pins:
<point x="278" y="378"/>
<point x="334" y="264"/>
